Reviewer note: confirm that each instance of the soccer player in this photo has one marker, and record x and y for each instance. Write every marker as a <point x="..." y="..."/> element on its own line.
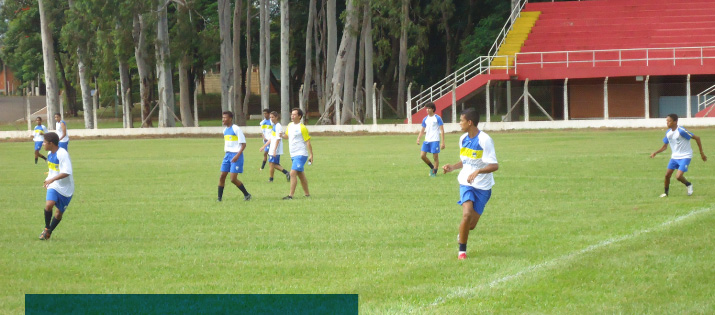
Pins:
<point x="276" y="147"/>
<point x="38" y="135"/>
<point x="59" y="183"/>
<point x="300" y="151"/>
<point x="478" y="161"/>
<point x="266" y="130"/>
<point x="61" y="128"/>
<point x="234" y="144"/>
<point x="433" y="129"/>
<point x="679" y="140"/>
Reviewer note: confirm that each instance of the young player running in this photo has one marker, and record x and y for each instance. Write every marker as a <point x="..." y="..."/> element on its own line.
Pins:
<point x="300" y="152"/>
<point x="478" y="161"/>
<point x="61" y="128"/>
<point x="59" y="183"/>
<point x="433" y="129"/>
<point x="266" y="130"/>
<point x="679" y="140"/>
<point x="275" y="147"/>
<point x="38" y="135"/>
<point x="234" y="145"/>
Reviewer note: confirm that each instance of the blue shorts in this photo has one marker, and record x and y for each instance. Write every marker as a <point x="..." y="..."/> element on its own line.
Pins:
<point x="679" y="164"/>
<point x="38" y="145"/>
<point x="267" y="147"/>
<point x="227" y="166"/>
<point x="275" y="159"/>
<point x="61" y="202"/>
<point x="477" y="196"/>
<point x="299" y="163"/>
<point x="64" y="145"/>
<point x="430" y="147"/>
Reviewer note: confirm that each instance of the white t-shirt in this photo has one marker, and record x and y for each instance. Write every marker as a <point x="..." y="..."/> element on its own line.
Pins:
<point x="431" y="125"/>
<point x="266" y="128"/>
<point x="59" y="162"/>
<point x="233" y="137"/>
<point x="276" y="147"/>
<point x="476" y="153"/>
<point x="58" y="128"/>
<point x="679" y="141"/>
<point x="39" y="133"/>
<point x="297" y="136"/>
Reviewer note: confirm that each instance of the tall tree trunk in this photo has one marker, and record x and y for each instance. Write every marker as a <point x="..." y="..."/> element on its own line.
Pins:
<point x="402" y="68"/>
<point x="249" y="62"/>
<point x="126" y="99"/>
<point x="262" y="52"/>
<point x="187" y="120"/>
<point x="48" y="58"/>
<point x="320" y="28"/>
<point x="266" y="88"/>
<point x="140" y="55"/>
<point x="331" y="52"/>
<point x="367" y="38"/>
<point x="349" y="85"/>
<point x="307" y="79"/>
<point x="448" y="38"/>
<point x="240" y="113"/>
<point x="86" y="92"/>
<point x="70" y="94"/>
<point x="359" y="111"/>
<point x="285" y="74"/>
<point x="343" y="52"/>
<point x="163" y="69"/>
<point x="224" y="21"/>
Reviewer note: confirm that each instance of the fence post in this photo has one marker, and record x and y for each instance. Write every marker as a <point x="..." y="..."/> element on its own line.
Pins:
<point x="647" y="98"/>
<point x="566" y="99"/>
<point x="605" y="99"/>
<point x="454" y="100"/>
<point x="374" y="110"/>
<point x="27" y="110"/>
<point x="526" y="100"/>
<point x="196" y="106"/>
<point x="687" y="99"/>
<point x="409" y="103"/>
<point x="487" y="107"/>
<point x="94" y="104"/>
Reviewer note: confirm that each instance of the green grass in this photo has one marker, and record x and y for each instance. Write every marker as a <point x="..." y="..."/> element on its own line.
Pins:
<point x="574" y="226"/>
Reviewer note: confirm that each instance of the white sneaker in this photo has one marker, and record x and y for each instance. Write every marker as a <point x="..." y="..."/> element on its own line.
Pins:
<point x="663" y="195"/>
<point x="690" y="190"/>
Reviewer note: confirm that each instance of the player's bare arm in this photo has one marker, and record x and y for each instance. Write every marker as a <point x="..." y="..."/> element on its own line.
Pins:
<point x="238" y="154"/>
<point x="665" y="146"/>
<point x="441" y="129"/>
<point x="485" y="170"/>
<point x="420" y="135"/>
<point x="451" y="167"/>
<point x="56" y="178"/>
<point x="310" y="150"/>
<point x="700" y="146"/>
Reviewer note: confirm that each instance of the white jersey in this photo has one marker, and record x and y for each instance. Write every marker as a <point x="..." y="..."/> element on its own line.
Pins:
<point x="266" y="129"/>
<point x="233" y="137"/>
<point x="276" y="147"/>
<point x="58" y="129"/>
<point x="38" y="134"/>
<point x="476" y="153"/>
<point x="59" y="162"/>
<point x="297" y="137"/>
<point x="431" y="125"/>
<point x="679" y="140"/>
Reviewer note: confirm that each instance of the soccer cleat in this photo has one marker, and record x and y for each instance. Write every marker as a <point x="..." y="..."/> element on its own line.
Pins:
<point x="462" y="256"/>
<point x="690" y="190"/>
<point x="663" y="195"/>
<point x="218" y="200"/>
<point x="288" y="198"/>
<point x="247" y="197"/>
<point x="45" y="235"/>
<point x="307" y="196"/>
<point x="288" y="176"/>
<point x="433" y="173"/>
<point x="270" y="180"/>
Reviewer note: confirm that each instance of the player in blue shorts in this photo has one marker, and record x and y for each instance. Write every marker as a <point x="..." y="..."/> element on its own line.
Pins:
<point x="301" y="152"/>
<point x="59" y="183"/>
<point x="38" y="136"/>
<point x="266" y="130"/>
<point x="234" y="145"/>
<point x="433" y="129"/>
<point x="679" y="140"/>
<point x="478" y="161"/>
<point x="275" y="148"/>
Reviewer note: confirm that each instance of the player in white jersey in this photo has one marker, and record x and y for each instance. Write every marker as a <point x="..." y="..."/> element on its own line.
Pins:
<point x="59" y="183"/>
<point x="275" y="146"/>
<point x="682" y="153"/>
<point x="266" y="130"/>
<point x="38" y="136"/>
<point x="234" y="145"/>
<point x="61" y="128"/>
<point x="433" y="129"/>
<point x="478" y="161"/>
<point x="301" y="151"/>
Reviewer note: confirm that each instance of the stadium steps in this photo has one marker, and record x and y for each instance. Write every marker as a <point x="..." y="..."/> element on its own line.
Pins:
<point x="707" y="112"/>
<point x="515" y="39"/>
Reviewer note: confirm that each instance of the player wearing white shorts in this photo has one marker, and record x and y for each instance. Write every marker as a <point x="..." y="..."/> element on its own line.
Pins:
<point x="301" y="151"/>
<point x="59" y="183"/>
<point x="433" y="129"/>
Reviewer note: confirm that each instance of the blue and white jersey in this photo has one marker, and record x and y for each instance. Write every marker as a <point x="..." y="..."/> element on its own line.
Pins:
<point x="476" y="153"/>
<point x="431" y="125"/>
<point x="679" y="140"/>
<point x="233" y="137"/>
<point x="58" y="129"/>
<point x="276" y="147"/>
<point x="38" y="134"/>
<point x="266" y="129"/>
<point x="59" y="162"/>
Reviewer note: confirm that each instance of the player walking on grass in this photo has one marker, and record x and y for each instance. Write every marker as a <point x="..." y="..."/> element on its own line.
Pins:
<point x="59" y="183"/>
<point x="38" y="135"/>
<point x="433" y="129"/>
<point x="300" y="152"/>
<point x="478" y="161"/>
<point x="234" y="145"/>
<point x="266" y="130"/>
<point x="679" y="140"/>
<point x="275" y="147"/>
<point x="61" y="128"/>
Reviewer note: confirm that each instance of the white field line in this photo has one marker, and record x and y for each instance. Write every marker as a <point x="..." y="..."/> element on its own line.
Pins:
<point x="471" y="291"/>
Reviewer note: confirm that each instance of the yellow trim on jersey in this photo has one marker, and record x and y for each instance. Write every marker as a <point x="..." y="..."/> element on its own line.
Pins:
<point x="53" y="166"/>
<point x="304" y="131"/>
<point x="266" y="126"/>
<point x="40" y="131"/>
<point x="230" y="138"/>
<point x="470" y="153"/>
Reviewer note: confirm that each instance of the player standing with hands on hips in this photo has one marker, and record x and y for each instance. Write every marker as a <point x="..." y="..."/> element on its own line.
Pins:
<point x="433" y="129"/>
<point x="478" y="161"/>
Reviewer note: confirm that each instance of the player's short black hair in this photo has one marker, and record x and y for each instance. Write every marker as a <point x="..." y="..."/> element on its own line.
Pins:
<point x="229" y="113"/>
<point x="275" y="114"/>
<point x="431" y="105"/>
<point x="38" y="117"/>
<point x="267" y="110"/>
<point x="58" y="114"/>
<point x="471" y="114"/>
<point x="674" y="117"/>
<point x="52" y="137"/>
<point x="300" y="111"/>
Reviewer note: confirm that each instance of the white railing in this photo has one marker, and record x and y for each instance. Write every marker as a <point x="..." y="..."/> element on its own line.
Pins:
<point x="706" y="98"/>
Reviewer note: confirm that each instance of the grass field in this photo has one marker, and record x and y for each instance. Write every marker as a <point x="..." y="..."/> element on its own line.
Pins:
<point x="574" y="225"/>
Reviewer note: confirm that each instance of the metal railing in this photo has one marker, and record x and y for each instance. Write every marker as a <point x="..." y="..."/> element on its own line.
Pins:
<point x="706" y="98"/>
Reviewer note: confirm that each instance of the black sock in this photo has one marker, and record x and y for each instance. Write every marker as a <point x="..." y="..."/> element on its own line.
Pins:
<point x="43" y="157"/>
<point x="220" y="192"/>
<point x="263" y="165"/>
<point x="243" y="190"/>
<point x="462" y="247"/>
<point x="687" y="183"/>
<point x="666" y="190"/>
<point x="284" y="171"/>
<point x="55" y="222"/>
<point x="35" y="160"/>
<point x="48" y="217"/>
<point x="431" y="166"/>
<point x="270" y="179"/>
